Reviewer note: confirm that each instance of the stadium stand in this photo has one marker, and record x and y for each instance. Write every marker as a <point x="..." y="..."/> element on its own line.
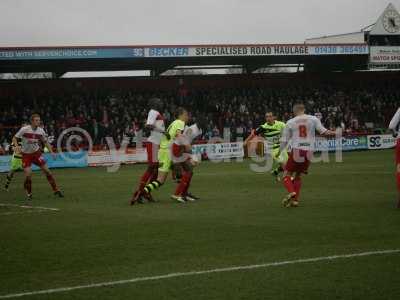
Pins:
<point x="360" y="103"/>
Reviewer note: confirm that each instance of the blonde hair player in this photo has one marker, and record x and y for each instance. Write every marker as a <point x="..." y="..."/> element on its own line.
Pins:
<point x="300" y="133"/>
<point x="174" y="130"/>
<point x="31" y="137"/>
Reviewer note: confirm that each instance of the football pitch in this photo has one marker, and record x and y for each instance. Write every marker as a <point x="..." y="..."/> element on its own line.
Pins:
<point x="237" y="242"/>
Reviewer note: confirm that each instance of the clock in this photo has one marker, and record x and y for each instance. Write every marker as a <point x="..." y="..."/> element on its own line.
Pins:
<point x="391" y="21"/>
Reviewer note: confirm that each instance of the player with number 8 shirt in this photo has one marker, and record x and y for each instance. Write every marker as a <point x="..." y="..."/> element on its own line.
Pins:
<point x="300" y="134"/>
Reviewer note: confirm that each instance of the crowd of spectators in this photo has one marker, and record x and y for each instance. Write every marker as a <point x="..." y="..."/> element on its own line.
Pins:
<point x="120" y="114"/>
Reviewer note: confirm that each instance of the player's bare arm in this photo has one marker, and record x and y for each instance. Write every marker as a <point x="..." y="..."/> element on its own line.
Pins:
<point x="329" y="133"/>
<point x="154" y="128"/>
<point x="50" y="148"/>
<point x="17" y="147"/>
<point x="250" y="137"/>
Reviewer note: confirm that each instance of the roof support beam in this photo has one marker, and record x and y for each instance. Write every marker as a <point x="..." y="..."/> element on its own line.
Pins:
<point x="160" y="69"/>
<point x="248" y="69"/>
<point x="57" y="74"/>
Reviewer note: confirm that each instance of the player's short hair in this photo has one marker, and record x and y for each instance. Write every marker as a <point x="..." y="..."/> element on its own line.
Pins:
<point x="269" y="112"/>
<point x="155" y="103"/>
<point x="180" y="110"/>
<point x="299" y="107"/>
<point x="34" y="116"/>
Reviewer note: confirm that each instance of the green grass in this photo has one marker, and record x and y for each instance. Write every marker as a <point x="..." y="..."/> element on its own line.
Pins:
<point x="95" y="237"/>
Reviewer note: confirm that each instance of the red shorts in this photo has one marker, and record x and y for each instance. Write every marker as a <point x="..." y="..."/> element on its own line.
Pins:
<point x="178" y="153"/>
<point x="298" y="161"/>
<point x="152" y="153"/>
<point x="398" y="152"/>
<point x="177" y="150"/>
<point x="32" y="158"/>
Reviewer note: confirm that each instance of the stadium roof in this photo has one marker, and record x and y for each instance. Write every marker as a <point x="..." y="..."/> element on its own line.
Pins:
<point x="343" y="52"/>
<point x="158" y="59"/>
<point x="351" y="37"/>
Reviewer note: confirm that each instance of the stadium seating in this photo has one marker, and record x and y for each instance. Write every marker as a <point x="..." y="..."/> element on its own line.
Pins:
<point x="119" y="108"/>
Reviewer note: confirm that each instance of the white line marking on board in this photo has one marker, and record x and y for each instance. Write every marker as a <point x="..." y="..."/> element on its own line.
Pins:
<point x="29" y="207"/>
<point x="193" y="273"/>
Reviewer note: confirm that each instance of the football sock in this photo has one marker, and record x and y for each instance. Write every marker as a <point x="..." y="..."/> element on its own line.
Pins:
<point x="297" y="186"/>
<point x="154" y="174"/>
<point x="152" y="186"/>
<point x="52" y="182"/>
<point x="150" y="175"/>
<point x="8" y="180"/>
<point x="28" y="185"/>
<point x="287" y="182"/>
<point x="183" y="186"/>
<point x="144" y="180"/>
<point x="188" y="185"/>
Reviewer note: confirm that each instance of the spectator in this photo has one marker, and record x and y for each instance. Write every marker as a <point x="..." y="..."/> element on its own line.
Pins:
<point x="120" y="114"/>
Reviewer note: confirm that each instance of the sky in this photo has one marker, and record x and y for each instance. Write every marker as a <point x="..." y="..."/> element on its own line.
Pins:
<point x="175" y="22"/>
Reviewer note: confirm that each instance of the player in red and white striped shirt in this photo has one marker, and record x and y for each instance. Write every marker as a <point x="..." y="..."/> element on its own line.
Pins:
<point x="300" y="132"/>
<point x="31" y="137"/>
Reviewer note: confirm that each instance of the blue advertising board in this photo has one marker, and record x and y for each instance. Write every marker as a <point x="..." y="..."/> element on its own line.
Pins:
<point x="71" y="53"/>
<point x="92" y="53"/>
<point x="345" y="143"/>
<point x="63" y="160"/>
<point x="5" y="163"/>
<point x="67" y="53"/>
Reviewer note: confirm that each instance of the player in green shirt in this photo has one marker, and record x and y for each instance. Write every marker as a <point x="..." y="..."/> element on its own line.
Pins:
<point x="16" y="165"/>
<point x="272" y="132"/>
<point x="174" y="130"/>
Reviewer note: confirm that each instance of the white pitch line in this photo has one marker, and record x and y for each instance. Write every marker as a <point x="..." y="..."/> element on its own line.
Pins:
<point x="203" y="272"/>
<point x="28" y="206"/>
<point x="23" y="212"/>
